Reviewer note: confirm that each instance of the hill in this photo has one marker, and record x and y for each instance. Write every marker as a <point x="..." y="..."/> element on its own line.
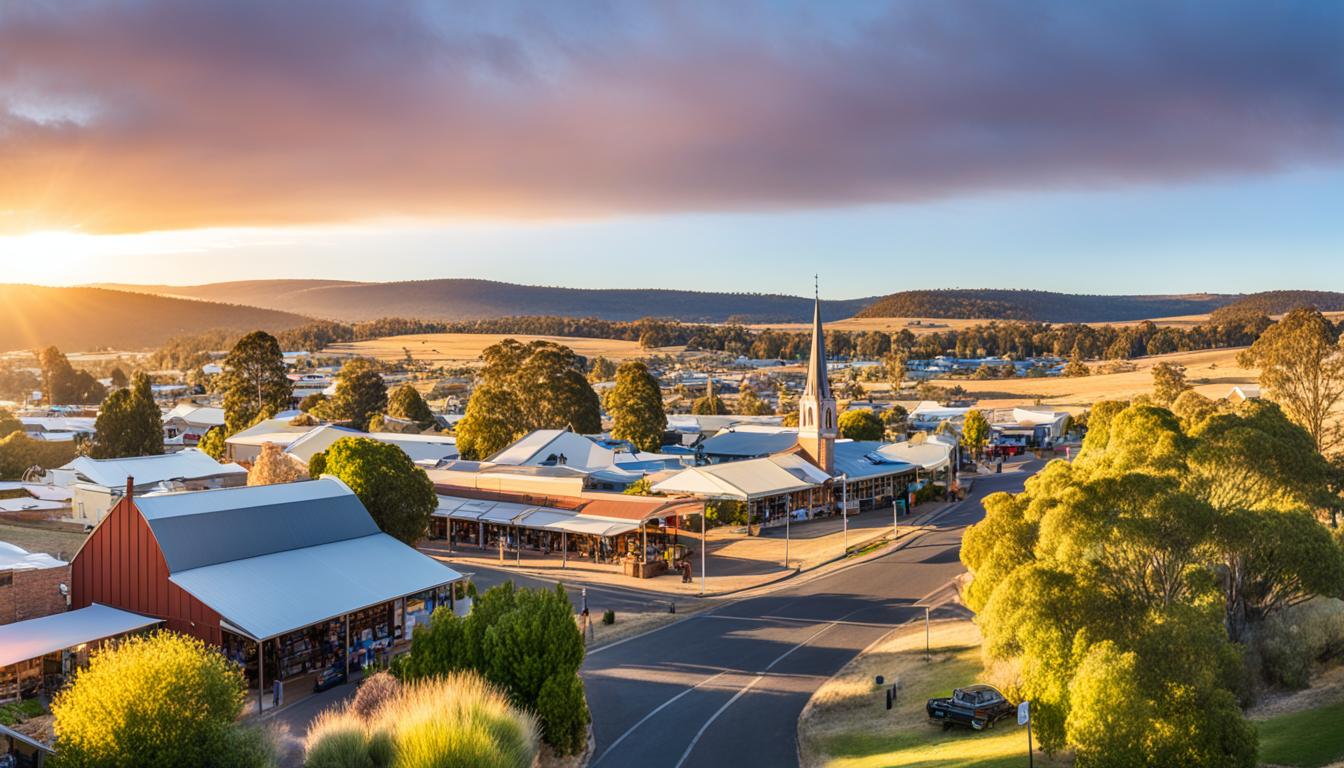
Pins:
<point x="85" y="319"/>
<point x="462" y="299"/>
<point x="1044" y="306"/>
<point x="1281" y="302"/>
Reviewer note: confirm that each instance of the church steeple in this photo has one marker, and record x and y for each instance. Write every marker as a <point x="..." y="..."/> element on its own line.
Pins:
<point x="817" y="419"/>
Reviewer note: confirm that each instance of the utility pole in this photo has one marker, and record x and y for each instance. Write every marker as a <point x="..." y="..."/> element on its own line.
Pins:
<point x="704" y="544"/>
<point x="844" y="508"/>
<point x="928" y="654"/>
<point x="787" y="516"/>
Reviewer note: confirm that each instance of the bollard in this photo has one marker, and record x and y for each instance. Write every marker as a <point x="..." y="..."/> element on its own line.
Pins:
<point x="879" y="681"/>
<point x="671" y="607"/>
<point x="888" y="698"/>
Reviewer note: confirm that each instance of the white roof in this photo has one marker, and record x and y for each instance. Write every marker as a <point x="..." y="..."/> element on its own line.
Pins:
<point x="278" y="431"/>
<point x="30" y="505"/>
<point x="183" y="465"/>
<point x="24" y="640"/>
<point x="81" y="424"/>
<point x="318" y="439"/>
<point x="928" y="455"/>
<point x="16" y="558"/>
<point x="541" y="445"/>
<point x="594" y="525"/>
<point x="749" y="479"/>
<point x="277" y="593"/>
<point x="39" y="490"/>
<point x="1039" y="417"/>
<point x="929" y="410"/>
<point x="196" y="414"/>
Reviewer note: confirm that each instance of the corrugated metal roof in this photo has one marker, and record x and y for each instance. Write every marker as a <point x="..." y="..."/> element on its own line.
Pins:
<point x="749" y="479"/>
<point x="187" y="464"/>
<point x="24" y="640"/>
<point x="748" y="443"/>
<point x="280" y="592"/>
<point x="207" y="527"/>
<point x="863" y="459"/>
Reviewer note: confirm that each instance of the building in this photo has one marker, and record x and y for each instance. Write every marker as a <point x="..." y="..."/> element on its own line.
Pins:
<point x="96" y="485"/>
<point x="295" y="575"/>
<point x="423" y="449"/>
<point x="187" y="423"/>
<point x="818" y="419"/>
<point x="32" y="584"/>
<point x="245" y="446"/>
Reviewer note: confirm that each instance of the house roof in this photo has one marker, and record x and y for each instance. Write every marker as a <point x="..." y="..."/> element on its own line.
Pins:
<point x="16" y="558"/>
<point x="929" y="455"/>
<point x="24" y="640"/>
<point x="276" y="593"/>
<point x="147" y="470"/>
<point x="196" y="414"/>
<point x="542" y="446"/>
<point x="318" y="439"/>
<point x="202" y="528"/>
<point x="749" y="443"/>
<point x="278" y="430"/>
<point x="861" y="459"/>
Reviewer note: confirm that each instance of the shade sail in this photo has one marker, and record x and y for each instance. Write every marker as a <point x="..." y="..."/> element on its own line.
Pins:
<point x="33" y="638"/>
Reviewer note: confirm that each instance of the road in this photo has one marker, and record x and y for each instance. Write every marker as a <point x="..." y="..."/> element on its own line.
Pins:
<point x="725" y="686"/>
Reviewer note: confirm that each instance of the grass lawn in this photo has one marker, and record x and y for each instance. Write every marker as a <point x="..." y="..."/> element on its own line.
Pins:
<point x="848" y="725"/>
<point x="61" y="544"/>
<point x="1310" y="738"/>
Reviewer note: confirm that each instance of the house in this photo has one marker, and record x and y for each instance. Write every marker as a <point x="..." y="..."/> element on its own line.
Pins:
<point x="32" y="584"/>
<point x="187" y="423"/>
<point x="288" y="580"/>
<point x="746" y="441"/>
<point x="422" y="449"/>
<point x="244" y="446"/>
<point x="97" y="485"/>
<point x="1242" y="392"/>
<point x="59" y="428"/>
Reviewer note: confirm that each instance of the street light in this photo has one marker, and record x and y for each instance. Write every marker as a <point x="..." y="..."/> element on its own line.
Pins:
<point x="844" y="508"/>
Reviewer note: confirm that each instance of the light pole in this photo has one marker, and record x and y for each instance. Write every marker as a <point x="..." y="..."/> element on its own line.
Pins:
<point x="844" y="509"/>
<point x="895" y="525"/>
<point x="704" y="544"/>
<point x="788" y="514"/>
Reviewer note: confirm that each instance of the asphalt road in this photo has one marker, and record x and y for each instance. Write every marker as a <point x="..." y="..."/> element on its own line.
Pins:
<point x="725" y="686"/>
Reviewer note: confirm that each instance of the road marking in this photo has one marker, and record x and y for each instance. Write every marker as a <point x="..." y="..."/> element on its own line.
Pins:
<point x="655" y="711"/>
<point x="698" y="734"/>
<point x="768" y="619"/>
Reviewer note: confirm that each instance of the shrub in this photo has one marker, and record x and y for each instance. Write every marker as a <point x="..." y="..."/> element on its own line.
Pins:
<point x="457" y="720"/>
<point x="1288" y="647"/>
<point x="160" y="700"/>
<point x="563" y="712"/>
<point x="609" y="617"/>
<point x="377" y="690"/>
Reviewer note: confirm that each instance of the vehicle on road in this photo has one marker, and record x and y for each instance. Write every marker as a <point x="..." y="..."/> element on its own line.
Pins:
<point x="330" y="678"/>
<point x="976" y="706"/>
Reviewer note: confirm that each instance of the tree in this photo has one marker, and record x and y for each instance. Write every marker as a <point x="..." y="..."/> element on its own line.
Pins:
<point x="1301" y="367"/>
<point x="406" y="403"/>
<point x="1192" y="408"/>
<point x="602" y="369"/>
<point x="309" y="403"/>
<point x="158" y="701"/>
<point x="750" y="404"/>
<point x="860" y="424"/>
<point x="546" y="389"/>
<point x="212" y="443"/>
<point x="360" y="394"/>
<point x="636" y="407"/>
<point x="397" y="493"/>
<point x="19" y="453"/>
<point x="129" y="423"/>
<point x="1076" y="367"/>
<point x="1168" y="382"/>
<point x="975" y="431"/>
<point x="63" y="385"/>
<point x="9" y="423"/>
<point x="709" y="405"/>
<point x="492" y="422"/>
<point x="118" y="377"/>
<point x="254" y="380"/>
<point x="274" y="466"/>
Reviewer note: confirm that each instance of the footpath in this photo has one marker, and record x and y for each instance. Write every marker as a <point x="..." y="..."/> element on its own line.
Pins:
<point x="734" y="562"/>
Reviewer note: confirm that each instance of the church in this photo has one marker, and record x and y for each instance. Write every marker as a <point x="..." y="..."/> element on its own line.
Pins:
<point x="820" y="472"/>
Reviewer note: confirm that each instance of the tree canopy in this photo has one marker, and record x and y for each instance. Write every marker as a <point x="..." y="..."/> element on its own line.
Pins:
<point x="254" y="380"/>
<point x="273" y="466"/>
<point x="861" y="424"/>
<point x="1301" y="364"/>
<point x="63" y="385"/>
<point x="406" y="403"/>
<point x="360" y="394"/>
<point x="397" y="493"/>
<point x="1121" y="584"/>
<point x="160" y="701"/>
<point x="635" y="404"/>
<point x="1168" y="382"/>
<point x="975" y="431"/>
<point x="129" y="423"/>
<point x="493" y="420"/>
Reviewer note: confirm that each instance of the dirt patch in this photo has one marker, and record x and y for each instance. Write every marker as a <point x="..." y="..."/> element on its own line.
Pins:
<point x="1326" y="688"/>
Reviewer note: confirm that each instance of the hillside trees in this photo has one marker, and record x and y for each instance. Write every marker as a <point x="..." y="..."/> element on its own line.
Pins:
<point x="397" y="493"/>
<point x="63" y="385"/>
<point x="1301" y="366"/>
<point x="1121" y="584"/>
<point x="635" y="404"/>
<point x="129" y="423"/>
<point x="254" y="381"/>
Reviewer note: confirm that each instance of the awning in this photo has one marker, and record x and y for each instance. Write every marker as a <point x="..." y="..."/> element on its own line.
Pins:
<point x="35" y="638"/>
<point x="504" y="513"/>
<point x="545" y="519"/>
<point x="595" y="526"/>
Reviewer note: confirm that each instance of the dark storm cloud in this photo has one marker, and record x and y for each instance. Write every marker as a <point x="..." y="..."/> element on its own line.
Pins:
<point x="121" y="116"/>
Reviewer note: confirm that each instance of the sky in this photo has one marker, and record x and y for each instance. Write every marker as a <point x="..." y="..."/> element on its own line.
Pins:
<point x="1114" y="146"/>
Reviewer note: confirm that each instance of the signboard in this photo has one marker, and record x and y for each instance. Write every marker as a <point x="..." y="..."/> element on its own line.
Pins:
<point x="1024" y="713"/>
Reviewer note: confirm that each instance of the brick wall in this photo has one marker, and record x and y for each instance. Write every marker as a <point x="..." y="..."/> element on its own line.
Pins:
<point x="32" y="593"/>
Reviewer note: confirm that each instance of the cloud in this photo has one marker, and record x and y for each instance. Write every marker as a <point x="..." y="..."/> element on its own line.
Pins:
<point x="157" y="114"/>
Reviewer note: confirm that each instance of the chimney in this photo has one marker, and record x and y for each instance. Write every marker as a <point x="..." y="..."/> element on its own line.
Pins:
<point x="130" y="485"/>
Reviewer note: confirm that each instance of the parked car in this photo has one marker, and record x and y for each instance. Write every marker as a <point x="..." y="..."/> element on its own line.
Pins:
<point x="977" y="706"/>
<point x="330" y="678"/>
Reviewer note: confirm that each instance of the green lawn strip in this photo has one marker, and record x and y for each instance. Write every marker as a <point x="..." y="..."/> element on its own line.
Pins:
<point x="17" y="711"/>
<point x="1310" y="738"/>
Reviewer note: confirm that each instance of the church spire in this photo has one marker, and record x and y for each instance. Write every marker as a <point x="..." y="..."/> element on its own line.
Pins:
<point x="817" y="423"/>
<point x="817" y="384"/>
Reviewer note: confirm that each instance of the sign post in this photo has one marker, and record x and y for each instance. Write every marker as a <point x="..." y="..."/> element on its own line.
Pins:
<point x="1024" y="718"/>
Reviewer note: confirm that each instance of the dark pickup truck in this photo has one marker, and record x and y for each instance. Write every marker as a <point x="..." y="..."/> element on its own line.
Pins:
<point x="978" y="706"/>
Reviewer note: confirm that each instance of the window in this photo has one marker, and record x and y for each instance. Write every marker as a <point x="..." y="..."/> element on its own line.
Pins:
<point x="6" y="578"/>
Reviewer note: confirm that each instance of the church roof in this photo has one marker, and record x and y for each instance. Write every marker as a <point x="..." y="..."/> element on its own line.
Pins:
<point x="817" y="385"/>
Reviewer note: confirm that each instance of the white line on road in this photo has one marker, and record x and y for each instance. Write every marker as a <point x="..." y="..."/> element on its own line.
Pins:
<point x="655" y="711"/>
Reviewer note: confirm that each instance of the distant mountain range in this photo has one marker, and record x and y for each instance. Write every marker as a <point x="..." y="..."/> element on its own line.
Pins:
<point x="86" y="319"/>
<point x="463" y="299"/>
<point x="1044" y="306"/>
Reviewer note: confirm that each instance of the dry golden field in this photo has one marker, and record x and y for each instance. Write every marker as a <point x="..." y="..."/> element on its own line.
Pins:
<point x="450" y="348"/>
